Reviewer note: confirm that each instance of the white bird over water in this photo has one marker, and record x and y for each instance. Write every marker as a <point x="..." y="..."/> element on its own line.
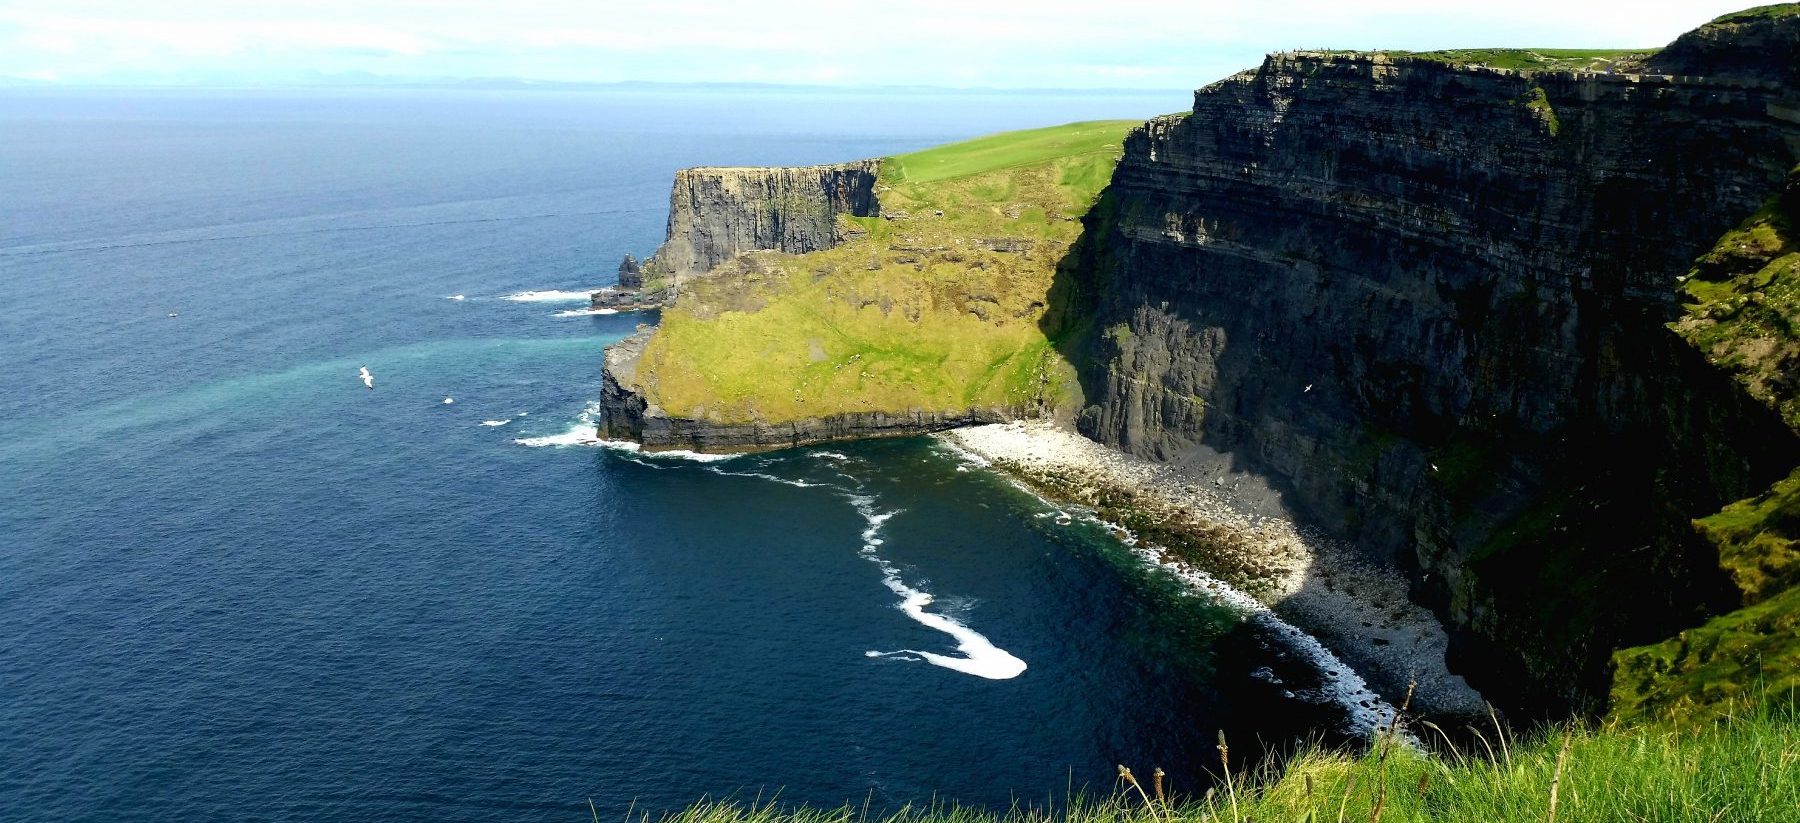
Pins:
<point x="448" y="401"/>
<point x="367" y="378"/>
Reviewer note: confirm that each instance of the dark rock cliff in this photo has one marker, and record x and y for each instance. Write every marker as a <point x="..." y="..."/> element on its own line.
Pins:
<point x="1430" y="303"/>
<point x="716" y="214"/>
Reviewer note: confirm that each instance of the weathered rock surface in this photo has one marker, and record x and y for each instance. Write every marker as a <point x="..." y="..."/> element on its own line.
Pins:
<point x="716" y="214"/>
<point x="1429" y="303"/>
<point x="631" y="273"/>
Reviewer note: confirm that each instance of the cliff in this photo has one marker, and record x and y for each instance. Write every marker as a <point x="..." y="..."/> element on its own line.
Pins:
<point x="1431" y="302"/>
<point x="816" y="320"/>
<point x="715" y="214"/>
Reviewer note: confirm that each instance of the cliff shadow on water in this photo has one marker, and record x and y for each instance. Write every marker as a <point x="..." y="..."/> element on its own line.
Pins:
<point x="1426" y="308"/>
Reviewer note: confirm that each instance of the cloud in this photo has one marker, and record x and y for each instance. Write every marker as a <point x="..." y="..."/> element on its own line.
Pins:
<point x="999" y="42"/>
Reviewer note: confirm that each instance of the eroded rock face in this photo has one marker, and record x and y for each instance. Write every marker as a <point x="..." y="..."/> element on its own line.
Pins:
<point x="716" y="214"/>
<point x="1429" y="302"/>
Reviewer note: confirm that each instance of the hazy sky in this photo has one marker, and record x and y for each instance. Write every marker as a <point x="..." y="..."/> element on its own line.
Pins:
<point x="1000" y="43"/>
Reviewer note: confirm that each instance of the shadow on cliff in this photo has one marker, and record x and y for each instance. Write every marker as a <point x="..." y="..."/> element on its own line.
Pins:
<point x="1541" y="547"/>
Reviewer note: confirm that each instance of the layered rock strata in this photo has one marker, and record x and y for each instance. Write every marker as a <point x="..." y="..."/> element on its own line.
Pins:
<point x="1428" y="302"/>
<point x="715" y="214"/>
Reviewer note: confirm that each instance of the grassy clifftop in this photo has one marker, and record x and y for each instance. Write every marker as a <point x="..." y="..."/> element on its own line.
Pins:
<point x="937" y="305"/>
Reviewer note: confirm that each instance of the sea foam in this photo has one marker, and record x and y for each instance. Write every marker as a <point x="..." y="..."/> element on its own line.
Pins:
<point x="552" y="296"/>
<point x="584" y="312"/>
<point x="980" y="657"/>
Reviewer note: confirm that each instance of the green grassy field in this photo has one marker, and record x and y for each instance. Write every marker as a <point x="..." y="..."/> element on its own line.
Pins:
<point x="937" y="307"/>
<point x="1538" y="59"/>
<point x="1760" y="13"/>
<point x="1744" y="768"/>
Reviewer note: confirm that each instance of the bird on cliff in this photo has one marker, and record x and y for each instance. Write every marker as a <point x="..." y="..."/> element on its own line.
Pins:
<point x="367" y="378"/>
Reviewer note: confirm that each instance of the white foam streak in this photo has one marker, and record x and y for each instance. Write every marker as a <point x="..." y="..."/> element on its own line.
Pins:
<point x="758" y="475"/>
<point x="585" y="431"/>
<point x="980" y="657"/>
<point x="457" y="297"/>
<point x="1367" y="713"/>
<point x="495" y="422"/>
<point x="585" y="312"/>
<point x="552" y="296"/>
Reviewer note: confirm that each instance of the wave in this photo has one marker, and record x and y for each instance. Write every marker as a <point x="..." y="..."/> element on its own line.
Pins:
<point x="980" y="657"/>
<point x="552" y="296"/>
<point x="457" y="297"/>
<point x="584" y="312"/>
<point x="495" y="422"/>
<point x="1366" y="713"/>
<point x="585" y="431"/>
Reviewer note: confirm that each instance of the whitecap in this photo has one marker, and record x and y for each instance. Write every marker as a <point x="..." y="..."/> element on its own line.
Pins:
<point x="552" y="296"/>
<point x="763" y="476"/>
<point x="1367" y="712"/>
<point x="585" y="313"/>
<point x="456" y="297"/>
<point x="585" y="431"/>
<point x="495" y="422"/>
<point x="980" y="657"/>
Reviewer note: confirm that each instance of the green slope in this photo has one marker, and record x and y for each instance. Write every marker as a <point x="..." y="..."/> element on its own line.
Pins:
<point x="936" y="307"/>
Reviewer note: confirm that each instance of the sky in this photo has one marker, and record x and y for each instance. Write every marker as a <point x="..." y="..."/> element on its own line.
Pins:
<point x="1166" y="44"/>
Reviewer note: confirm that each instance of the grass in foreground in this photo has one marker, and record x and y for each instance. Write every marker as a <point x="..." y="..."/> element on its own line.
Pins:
<point x="1744" y="769"/>
<point x="936" y="307"/>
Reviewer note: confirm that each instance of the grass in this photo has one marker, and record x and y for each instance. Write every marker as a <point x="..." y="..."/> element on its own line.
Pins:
<point x="1007" y="150"/>
<point x="1743" y="768"/>
<point x="1742" y="306"/>
<point x="1760" y="13"/>
<point x="1621" y="60"/>
<point x="1705" y="670"/>
<point x="1759" y="540"/>
<point x="937" y="306"/>
<point x="1743" y="303"/>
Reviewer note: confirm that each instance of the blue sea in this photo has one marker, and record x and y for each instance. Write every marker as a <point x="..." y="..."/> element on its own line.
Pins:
<point x="236" y="584"/>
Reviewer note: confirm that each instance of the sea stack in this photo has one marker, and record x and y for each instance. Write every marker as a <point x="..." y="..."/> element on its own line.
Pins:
<point x="631" y="274"/>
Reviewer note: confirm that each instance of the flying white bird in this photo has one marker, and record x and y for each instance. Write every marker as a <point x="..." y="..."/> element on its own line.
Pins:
<point x="1307" y="389"/>
<point x="367" y="378"/>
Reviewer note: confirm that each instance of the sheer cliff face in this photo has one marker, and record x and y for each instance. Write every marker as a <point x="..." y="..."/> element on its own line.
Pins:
<point x="1430" y="303"/>
<point x="717" y="213"/>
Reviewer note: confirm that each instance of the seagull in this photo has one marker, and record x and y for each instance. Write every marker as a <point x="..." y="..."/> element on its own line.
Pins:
<point x="1307" y="389"/>
<point x="367" y="378"/>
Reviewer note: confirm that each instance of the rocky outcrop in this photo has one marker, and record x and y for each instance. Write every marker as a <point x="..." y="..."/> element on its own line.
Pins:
<point x="1430" y="303"/>
<point x="625" y="414"/>
<point x="631" y="273"/>
<point x="716" y="214"/>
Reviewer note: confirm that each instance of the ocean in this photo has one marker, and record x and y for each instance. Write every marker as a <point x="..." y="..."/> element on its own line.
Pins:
<point x="236" y="584"/>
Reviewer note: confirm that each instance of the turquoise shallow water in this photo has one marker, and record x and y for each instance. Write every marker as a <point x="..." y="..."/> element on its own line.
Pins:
<point x="234" y="583"/>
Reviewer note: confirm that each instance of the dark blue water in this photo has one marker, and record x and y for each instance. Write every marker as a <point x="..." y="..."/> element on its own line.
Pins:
<point x="236" y="584"/>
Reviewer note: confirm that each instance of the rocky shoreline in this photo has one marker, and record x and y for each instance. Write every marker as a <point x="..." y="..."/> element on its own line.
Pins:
<point x="1358" y="610"/>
